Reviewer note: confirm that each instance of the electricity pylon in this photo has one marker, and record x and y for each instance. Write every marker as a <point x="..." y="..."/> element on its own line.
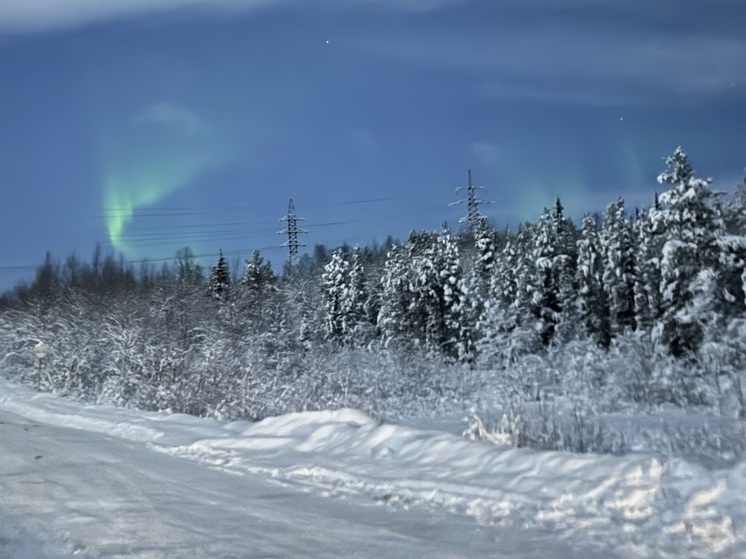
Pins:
<point x="473" y="220"/>
<point x="292" y="231"/>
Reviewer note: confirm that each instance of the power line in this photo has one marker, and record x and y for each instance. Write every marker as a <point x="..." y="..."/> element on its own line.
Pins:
<point x="114" y="211"/>
<point x="153" y="239"/>
<point x="142" y="236"/>
<point x="368" y="201"/>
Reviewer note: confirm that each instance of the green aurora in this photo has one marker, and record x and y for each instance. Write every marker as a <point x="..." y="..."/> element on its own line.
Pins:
<point x="144" y="170"/>
<point x="124" y="195"/>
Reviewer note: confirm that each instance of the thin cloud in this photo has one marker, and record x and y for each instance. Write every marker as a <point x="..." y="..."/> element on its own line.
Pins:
<point x="588" y="94"/>
<point x="35" y="15"/>
<point x="172" y="115"/>
<point x="488" y="154"/>
<point x="407" y="5"/>
<point x="39" y="15"/>
<point x="596" y="59"/>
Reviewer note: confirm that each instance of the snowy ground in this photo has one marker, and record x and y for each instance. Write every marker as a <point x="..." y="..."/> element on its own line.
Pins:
<point x="93" y="481"/>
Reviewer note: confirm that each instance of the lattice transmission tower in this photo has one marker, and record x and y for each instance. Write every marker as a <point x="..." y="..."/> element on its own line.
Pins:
<point x="292" y="231"/>
<point x="473" y="220"/>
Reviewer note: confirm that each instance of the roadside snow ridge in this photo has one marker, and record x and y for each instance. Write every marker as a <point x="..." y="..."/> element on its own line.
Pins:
<point x="643" y="504"/>
<point x="636" y="498"/>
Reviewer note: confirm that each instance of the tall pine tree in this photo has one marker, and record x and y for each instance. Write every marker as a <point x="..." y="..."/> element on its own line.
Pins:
<point x="647" y="271"/>
<point x="336" y="286"/>
<point x="592" y="308"/>
<point x="258" y="274"/>
<point x="691" y="222"/>
<point x="219" y="282"/>
<point x="619" y="268"/>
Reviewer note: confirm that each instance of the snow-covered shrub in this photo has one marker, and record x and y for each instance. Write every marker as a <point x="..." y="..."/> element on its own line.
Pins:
<point x="648" y="376"/>
<point x="722" y="360"/>
<point x="504" y="340"/>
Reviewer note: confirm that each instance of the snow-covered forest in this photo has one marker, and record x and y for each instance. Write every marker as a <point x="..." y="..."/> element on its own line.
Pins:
<point x="555" y="336"/>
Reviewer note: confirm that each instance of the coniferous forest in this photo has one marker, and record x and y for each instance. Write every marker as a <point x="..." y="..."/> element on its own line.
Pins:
<point x="553" y="336"/>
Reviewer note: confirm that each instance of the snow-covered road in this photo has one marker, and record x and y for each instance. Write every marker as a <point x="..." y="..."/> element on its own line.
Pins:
<point x="108" y="497"/>
<point x="100" y="482"/>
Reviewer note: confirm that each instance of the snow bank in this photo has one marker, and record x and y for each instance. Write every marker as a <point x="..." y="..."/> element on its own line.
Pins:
<point x="645" y="502"/>
<point x="642" y="505"/>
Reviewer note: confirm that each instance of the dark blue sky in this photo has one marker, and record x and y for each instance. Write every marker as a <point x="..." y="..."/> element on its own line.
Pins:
<point x="148" y="125"/>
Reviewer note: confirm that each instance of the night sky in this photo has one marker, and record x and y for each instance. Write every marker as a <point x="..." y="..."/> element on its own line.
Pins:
<point x="148" y="125"/>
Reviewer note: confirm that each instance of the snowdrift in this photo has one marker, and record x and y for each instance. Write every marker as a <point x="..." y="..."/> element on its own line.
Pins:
<point x="637" y="505"/>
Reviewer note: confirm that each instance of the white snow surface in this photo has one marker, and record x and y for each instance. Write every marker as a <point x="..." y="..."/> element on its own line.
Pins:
<point x="101" y="482"/>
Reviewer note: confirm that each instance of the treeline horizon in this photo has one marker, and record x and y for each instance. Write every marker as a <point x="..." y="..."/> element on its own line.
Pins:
<point x="608" y="273"/>
<point x="109" y="272"/>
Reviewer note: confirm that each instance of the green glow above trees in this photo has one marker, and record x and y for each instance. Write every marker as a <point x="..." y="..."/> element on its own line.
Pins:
<point x="162" y="163"/>
<point x="124" y="196"/>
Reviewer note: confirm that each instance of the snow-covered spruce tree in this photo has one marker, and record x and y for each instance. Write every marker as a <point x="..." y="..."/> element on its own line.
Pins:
<point x="258" y="274"/>
<point x="424" y="297"/>
<point x="458" y="335"/>
<point x="481" y="279"/>
<point x="564" y="231"/>
<point x="422" y="289"/>
<point x="691" y="222"/>
<point x="565" y="266"/>
<point x="732" y="267"/>
<point x="592" y="309"/>
<point x="733" y="255"/>
<point x="485" y="253"/>
<point x="504" y="282"/>
<point x="649" y="249"/>
<point x="427" y="305"/>
<point x="505" y="326"/>
<point x="516" y="274"/>
<point x="619" y="268"/>
<point x="553" y="277"/>
<point x="260" y="304"/>
<point x="394" y="317"/>
<point x="335" y="282"/>
<point x="735" y="212"/>
<point x="545" y="306"/>
<point x="219" y="282"/>
<point x="356" y="303"/>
